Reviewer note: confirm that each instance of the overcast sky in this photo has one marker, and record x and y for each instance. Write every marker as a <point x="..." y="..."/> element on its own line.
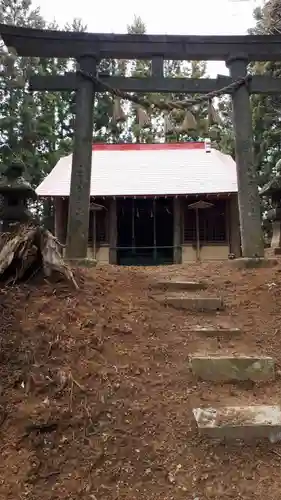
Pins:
<point x="186" y="17"/>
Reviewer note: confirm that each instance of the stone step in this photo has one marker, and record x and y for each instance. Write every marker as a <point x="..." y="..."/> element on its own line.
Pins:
<point x="253" y="262"/>
<point x="216" y="331"/>
<point x="194" y="303"/>
<point x="231" y="367"/>
<point x="240" y="422"/>
<point x="181" y="285"/>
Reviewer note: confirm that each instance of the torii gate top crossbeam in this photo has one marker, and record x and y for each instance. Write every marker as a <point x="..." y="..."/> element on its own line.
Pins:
<point x="46" y="43"/>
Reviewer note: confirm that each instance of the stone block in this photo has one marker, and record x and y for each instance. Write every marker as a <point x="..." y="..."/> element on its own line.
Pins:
<point x="252" y="263"/>
<point x="216" y="331"/>
<point x="240" y="422"/>
<point x="195" y="303"/>
<point x="231" y="368"/>
<point x="181" y="285"/>
<point x="81" y="262"/>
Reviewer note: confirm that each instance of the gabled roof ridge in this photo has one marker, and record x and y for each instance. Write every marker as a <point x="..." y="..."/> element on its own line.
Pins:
<point x="148" y="173"/>
<point x="154" y="146"/>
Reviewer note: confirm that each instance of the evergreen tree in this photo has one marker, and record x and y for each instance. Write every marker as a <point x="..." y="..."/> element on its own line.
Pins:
<point x="13" y="76"/>
<point x="267" y="109"/>
<point x="28" y="121"/>
<point x="184" y="129"/>
<point x="107" y="127"/>
<point x="140" y="124"/>
<point x="36" y="128"/>
<point x="155" y="130"/>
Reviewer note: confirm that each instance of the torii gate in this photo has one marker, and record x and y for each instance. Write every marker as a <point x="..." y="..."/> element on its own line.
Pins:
<point x="88" y="49"/>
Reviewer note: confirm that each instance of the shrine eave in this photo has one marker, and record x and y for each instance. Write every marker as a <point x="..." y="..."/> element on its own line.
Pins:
<point x="50" y="43"/>
<point x="272" y="187"/>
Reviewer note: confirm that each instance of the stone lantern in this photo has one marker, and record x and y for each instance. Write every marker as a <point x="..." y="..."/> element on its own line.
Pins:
<point x="15" y="193"/>
<point x="272" y="190"/>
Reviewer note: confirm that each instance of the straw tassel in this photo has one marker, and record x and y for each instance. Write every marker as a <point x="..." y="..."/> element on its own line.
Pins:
<point x="168" y="126"/>
<point x="177" y="115"/>
<point x="19" y="82"/>
<point x="213" y="116"/>
<point x="118" y="113"/>
<point x="189" y="122"/>
<point x="10" y="60"/>
<point x="143" y="118"/>
<point x="204" y="125"/>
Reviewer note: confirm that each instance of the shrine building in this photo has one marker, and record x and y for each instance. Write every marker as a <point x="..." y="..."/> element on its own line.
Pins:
<point x="154" y="203"/>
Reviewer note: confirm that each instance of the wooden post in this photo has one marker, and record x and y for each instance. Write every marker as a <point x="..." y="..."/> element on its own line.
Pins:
<point x="79" y="201"/>
<point x="197" y="234"/>
<point x="234" y="226"/>
<point x="59" y="206"/>
<point x="94" y="235"/>
<point x="177" y="230"/>
<point x="248" y="195"/>
<point x="112" y="231"/>
<point x="276" y="236"/>
<point x="133" y="227"/>
<point x="154" y="231"/>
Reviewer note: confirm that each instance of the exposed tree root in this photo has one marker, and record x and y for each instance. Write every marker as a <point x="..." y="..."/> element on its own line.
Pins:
<point x="28" y="250"/>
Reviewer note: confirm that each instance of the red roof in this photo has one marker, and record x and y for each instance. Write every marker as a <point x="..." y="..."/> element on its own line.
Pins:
<point x="149" y="147"/>
<point x="149" y="170"/>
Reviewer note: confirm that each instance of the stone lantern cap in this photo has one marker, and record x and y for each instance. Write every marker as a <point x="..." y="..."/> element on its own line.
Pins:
<point x="13" y="182"/>
<point x="274" y="185"/>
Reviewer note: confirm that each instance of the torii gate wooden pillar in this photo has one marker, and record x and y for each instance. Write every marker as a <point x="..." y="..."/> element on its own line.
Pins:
<point x="80" y="184"/>
<point x="88" y="49"/>
<point x="248" y="194"/>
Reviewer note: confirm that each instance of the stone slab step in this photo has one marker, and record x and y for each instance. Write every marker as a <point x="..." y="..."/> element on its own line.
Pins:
<point x="216" y="331"/>
<point x="195" y="303"/>
<point x="240" y="422"/>
<point x="181" y="285"/>
<point x="81" y="262"/>
<point x="231" y="368"/>
<point x="253" y="262"/>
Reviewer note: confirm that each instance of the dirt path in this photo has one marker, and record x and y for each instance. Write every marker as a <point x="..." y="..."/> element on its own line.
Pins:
<point x="96" y="394"/>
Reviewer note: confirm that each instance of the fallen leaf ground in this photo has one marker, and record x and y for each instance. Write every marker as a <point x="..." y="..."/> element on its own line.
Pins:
<point x="96" y="393"/>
